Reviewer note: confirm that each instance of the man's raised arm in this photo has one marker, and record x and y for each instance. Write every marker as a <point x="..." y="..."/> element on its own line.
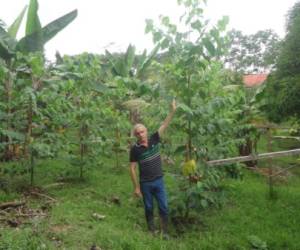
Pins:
<point x="168" y="119"/>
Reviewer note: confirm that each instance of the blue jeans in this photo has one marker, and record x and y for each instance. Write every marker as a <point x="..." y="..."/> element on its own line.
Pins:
<point x="154" y="189"/>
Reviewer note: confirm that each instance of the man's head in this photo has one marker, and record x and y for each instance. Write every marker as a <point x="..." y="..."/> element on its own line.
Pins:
<point x="140" y="132"/>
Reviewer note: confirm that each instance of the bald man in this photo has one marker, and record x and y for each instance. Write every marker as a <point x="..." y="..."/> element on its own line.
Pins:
<point x="145" y="153"/>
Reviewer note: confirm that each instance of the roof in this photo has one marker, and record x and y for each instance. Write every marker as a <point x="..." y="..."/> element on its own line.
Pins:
<point x="254" y="79"/>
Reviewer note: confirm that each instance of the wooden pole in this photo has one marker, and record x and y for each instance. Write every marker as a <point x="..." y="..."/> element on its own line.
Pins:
<point x="269" y="146"/>
<point x="253" y="157"/>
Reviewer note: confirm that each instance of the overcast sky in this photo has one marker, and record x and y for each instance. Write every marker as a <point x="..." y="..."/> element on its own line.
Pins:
<point x="116" y="23"/>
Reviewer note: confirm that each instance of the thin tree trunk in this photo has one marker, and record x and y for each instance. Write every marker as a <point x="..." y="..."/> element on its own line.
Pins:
<point x="28" y="134"/>
<point x="8" y="152"/>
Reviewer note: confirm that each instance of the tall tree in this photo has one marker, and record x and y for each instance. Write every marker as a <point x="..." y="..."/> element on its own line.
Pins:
<point x="252" y="53"/>
<point x="283" y="87"/>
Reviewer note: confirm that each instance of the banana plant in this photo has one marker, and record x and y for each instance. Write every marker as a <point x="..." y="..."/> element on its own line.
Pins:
<point x="129" y="64"/>
<point x="34" y="40"/>
<point x="129" y="70"/>
<point x="35" y="37"/>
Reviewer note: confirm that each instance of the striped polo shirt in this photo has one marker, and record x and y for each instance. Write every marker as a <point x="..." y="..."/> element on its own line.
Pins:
<point x="148" y="159"/>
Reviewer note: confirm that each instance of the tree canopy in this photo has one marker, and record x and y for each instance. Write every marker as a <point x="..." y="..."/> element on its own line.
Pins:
<point x="252" y="53"/>
<point x="283" y="86"/>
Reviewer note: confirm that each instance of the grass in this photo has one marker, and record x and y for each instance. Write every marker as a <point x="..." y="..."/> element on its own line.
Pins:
<point x="249" y="218"/>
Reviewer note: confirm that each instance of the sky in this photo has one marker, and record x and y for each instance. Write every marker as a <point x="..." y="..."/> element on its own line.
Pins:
<point x="113" y="24"/>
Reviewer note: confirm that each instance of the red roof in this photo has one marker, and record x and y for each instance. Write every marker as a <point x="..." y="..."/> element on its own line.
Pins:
<point x="254" y="79"/>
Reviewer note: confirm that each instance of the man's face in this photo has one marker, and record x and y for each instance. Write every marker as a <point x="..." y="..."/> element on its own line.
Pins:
<point x="141" y="133"/>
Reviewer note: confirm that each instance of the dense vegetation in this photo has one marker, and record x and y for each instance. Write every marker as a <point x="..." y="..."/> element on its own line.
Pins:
<point x="283" y="85"/>
<point x="66" y="128"/>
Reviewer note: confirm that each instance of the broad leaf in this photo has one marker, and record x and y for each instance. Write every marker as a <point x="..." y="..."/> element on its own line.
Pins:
<point x="51" y="29"/>
<point x="101" y="88"/>
<point x="36" y="41"/>
<point x="6" y="44"/>
<point x="129" y="57"/>
<point x="12" y="134"/>
<point x="209" y="46"/>
<point x="185" y="108"/>
<point x="14" y="28"/>
<point x="180" y="149"/>
<point x="33" y="24"/>
<point x="147" y="61"/>
<point x="31" y="43"/>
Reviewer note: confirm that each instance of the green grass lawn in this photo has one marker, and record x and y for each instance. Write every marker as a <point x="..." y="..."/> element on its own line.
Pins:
<point x="248" y="218"/>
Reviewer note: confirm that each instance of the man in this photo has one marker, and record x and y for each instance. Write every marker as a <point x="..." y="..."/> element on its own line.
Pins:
<point x="146" y="153"/>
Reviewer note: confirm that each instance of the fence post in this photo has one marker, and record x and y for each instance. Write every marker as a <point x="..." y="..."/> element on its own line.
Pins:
<point x="270" y="161"/>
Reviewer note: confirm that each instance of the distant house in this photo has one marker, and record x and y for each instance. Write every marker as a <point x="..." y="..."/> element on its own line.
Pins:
<point x="254" y="80"/>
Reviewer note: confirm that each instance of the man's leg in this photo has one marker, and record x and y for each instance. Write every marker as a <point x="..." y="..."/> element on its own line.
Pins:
<point x="148" y="204"/>
<point x="161" y="197"/>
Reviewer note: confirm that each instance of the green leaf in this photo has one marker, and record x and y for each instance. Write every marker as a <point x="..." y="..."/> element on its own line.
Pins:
<point x="3" y="115"/>
<point x="149" y="26"/>
<point x="165" y="43"/>
<point x="101" y="88"/>
<point x="129" y="57"/>
<point x="185" y="108"/>
<point x="5" y="52"/>
<point x="36" y="41"/>
<point x="209" y="46"/>
<point x="257" y="243"/>
<point x="33" y="24"/>
<point x="31" y="43"/>
<point x="12" y="134"/>
<point x="51" y="29"/>
<point x="165" y="20"/>
<point x="6" y="44"/>
<point x="180" y="149"/>
<point x="157" y="36"/>
<point x="147" y="61"/>
<point x="223" y="23"/>
<point x="204" y="203"/>
<point x="14" y="28"/>
<point x="197" y="25"/>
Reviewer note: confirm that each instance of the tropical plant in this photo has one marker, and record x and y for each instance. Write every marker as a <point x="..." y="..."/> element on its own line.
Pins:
<point x="35" y="37"/>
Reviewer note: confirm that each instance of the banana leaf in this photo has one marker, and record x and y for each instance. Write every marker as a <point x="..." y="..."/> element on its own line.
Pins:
<point x="14" y="28"/>
<point x="115" y="63"/>
<point x="33" y="24"/>
<point x="51" y="29"/>
<point x="129" y="57"/>
<point x="147" y="61"/>
<point x="36" y="41"/>
<point x="6" y="44"/>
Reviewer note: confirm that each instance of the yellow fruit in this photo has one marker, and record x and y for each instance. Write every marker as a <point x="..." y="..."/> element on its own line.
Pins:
<point x="61" y="130"/>
<point x="189" y="167"/>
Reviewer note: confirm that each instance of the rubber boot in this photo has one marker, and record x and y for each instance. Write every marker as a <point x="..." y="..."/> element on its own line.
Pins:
<point x="164" y="227"/>
<point x="150" y="223"/>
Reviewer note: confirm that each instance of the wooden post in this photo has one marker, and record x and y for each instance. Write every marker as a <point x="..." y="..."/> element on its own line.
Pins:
<point x="270" y="168"/>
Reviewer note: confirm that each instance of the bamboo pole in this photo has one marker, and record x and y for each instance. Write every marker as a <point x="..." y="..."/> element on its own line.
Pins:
<point x="253" y="157"/>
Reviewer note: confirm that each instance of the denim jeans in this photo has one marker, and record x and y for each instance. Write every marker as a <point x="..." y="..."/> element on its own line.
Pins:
<point x="154" y="189"/>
